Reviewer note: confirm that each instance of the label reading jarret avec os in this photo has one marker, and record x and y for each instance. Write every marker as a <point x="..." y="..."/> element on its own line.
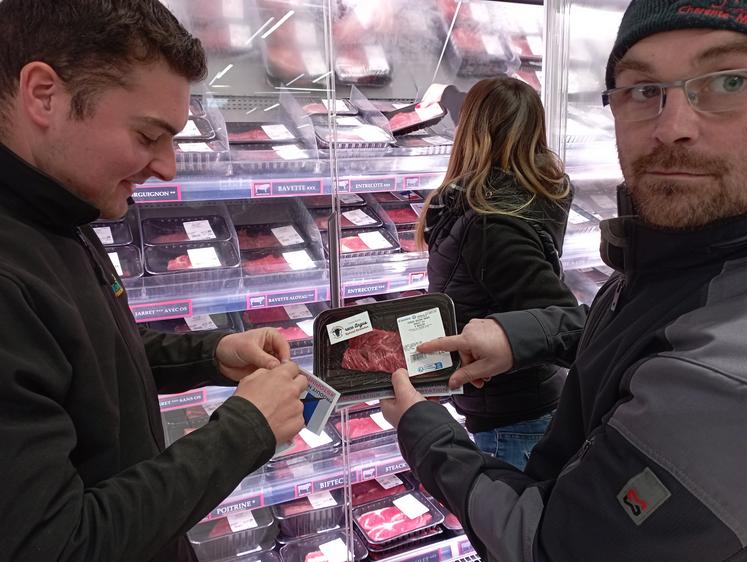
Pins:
<point x="417" y="328"/>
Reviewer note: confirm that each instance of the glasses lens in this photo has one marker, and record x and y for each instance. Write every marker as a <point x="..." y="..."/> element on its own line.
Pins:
<point x="724" y="91"/>
<point x="636" y="103"/>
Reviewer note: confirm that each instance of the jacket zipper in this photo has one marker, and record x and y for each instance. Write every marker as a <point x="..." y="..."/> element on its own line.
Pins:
<point x="572" y="464"/>
<point x="618" y="291"/>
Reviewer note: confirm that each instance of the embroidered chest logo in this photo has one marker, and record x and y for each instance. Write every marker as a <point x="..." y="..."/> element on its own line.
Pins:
<point x="117" y="289"/>
<point x="642" y="495"/>
<point x="721" y="9"/>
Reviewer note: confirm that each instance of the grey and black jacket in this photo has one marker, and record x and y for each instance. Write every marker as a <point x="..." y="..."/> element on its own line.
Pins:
<point x="645" y="457"/>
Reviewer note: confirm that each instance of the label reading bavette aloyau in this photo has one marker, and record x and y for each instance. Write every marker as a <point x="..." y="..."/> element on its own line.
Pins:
<point x="417" y="328"/>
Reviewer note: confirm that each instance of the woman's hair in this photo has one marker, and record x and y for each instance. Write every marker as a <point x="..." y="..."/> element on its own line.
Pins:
<point x="501" y="125"/>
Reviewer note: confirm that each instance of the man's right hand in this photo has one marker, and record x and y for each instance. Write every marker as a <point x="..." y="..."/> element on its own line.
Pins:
<point x="483" y="347"/>
<point x="275" y="393"/>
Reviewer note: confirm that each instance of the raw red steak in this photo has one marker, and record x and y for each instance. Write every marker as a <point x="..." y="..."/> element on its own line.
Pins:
<point x="403" y="215"/>
<point x="296" y="507"/>
<point x="389" y="523"/>
<point x="179" y="262"/>
<point x="171" y="237"/>
<point x="405" y="119"/>
<point x="350" y="244"/>
<point x="366" y="492"/>
<point x="315" y="556"/>
<point x="376" y="351"/>
<point x="255" y="240"/>
<point x="221" y="528"/>
<point x="294" y="333"/>
<point x="267" y="264"/>
<point x="265" y="315"/>
<point x="360" y="427"/>
<point x="250" y="135"/>
<point x="315" y="108"/>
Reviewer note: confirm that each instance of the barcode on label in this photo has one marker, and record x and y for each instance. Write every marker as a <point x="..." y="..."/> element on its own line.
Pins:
<point x="417" y="356"/>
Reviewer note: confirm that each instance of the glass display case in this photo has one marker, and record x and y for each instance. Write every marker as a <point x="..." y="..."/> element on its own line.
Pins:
<point x="301" y="173"/>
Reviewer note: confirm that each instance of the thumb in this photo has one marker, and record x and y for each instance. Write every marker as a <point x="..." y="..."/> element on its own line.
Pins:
<point x="401" y="383"/>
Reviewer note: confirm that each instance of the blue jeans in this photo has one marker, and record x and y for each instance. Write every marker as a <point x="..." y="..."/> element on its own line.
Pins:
<point x="513" y="443"/>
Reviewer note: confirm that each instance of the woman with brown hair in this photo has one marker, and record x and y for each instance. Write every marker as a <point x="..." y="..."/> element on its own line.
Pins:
<point x="494" y="231"/>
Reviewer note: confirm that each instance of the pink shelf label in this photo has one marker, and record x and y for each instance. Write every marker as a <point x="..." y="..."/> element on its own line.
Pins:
<point x="365" y="289"/>
<point x="161" y="193"/>
<point x="282" y="298"/>
<point x="175" y="401"/>
<point x="373" y="184"/>
<point x="161" y="310"/>
<point x="244" y="504"/>
<point x="422" y="181"/>
<point x="293" y="187"/>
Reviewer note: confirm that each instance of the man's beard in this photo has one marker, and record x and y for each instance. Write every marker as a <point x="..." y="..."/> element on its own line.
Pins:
<point x="670" y="203"/>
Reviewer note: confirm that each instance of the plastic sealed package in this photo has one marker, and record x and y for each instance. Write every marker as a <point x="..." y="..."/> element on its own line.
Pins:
<point x="404" y="216"/>
<point x="366" y="242"/>
<point x="182" y="421"/>
<point x="408" y="243"/>
<point x="364" y="426"/>
<point x="308" y="446"/>
<point x="126" y="260"/>
<point x="170" y="258"/>
<point x="357" y="348"/>
<point x="311" y="514"/>
<point x="238" y="533"/>
<point x="263" y="262"/>
<point x="263" y="556"/>
<point x="259" y="133"/>
<point x="323" y="548"/>
<point x="324" y="201"/>
<point x="363" y="64"/>
<point x="201" y="156"/>
<point x="412" y="118"/>
<point x="386" y="197"/>
<point x="258" y="317"/>
<point x="349" y="218"/>
<point x="207" y="322"/>
<point x="379" y="488"/>
<point x="285" y="235"/>
<point x="413" y="541"/>
<point x="174" y="229"/>
<point x="323" y="107"/>
<point x="351" y="132"/>
<point x="475" y="52"/>
<point x="393" y="519"/>
<point x="113" y="233"/>
<point x="196" y="129"/>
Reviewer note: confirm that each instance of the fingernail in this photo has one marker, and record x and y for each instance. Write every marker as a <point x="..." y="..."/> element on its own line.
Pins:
<point x="417" y="106"/>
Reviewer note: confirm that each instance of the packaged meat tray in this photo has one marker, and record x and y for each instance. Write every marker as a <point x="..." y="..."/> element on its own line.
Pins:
<point x="325" y="201"/>
<point x="412" y="118"/>
<point x="379" y="488"/>
<point x="172" y="230"/>
<point x="364" y="426"/>
<point x="208" y="322"/>
<point x="236" y="534"/>
<point x="398" y="547"/>
<point x="299" y="333"/>
<point x="363" y="64"/>
<point x="261" y="316"/>
<point x="182" y="421"/>
<point x="407" y="242"/>
<point x="404" y="216"/>
<point x="265" y="262"/>
<point x="287" y="236"/>
<point x="391" y="519"/>
<point x="311" y="514"/>
<point x="360" y="136"/>
<point x="264" y="556"/>
<point x="322" y="107"/>
<point x="474" y="52"/>
<point x="365" y="242"/>
<point x="113" y="233"/>
<point x="196" y="129"/>
<point x="201" y="156"/>
<point x="387" y="107"/>
<point x="307" y="443"/>
<point x="126" y="261"/>
<point x="271" y="156"/>
<point x="259" y="133"/>
<point x="349" y="218"/>
<point x="325" y="547"/>
<point x="386" y="197"/>
<point x="171" y="258"/>
<point x="357" y="348"/>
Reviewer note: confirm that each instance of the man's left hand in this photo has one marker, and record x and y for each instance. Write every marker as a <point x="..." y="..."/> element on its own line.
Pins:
<point x="405" y="396"/>
<point x="239" y="355"/>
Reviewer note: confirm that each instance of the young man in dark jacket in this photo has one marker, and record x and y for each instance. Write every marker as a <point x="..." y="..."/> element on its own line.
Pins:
<point x="642" y="460"/>
<point x="91" y="94"/>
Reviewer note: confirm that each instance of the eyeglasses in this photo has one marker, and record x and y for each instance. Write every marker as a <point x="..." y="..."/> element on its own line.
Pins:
<point x="716" y="92"/>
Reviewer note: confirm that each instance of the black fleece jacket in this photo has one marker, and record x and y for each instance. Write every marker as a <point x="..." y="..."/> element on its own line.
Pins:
<point x="82" y="460"/>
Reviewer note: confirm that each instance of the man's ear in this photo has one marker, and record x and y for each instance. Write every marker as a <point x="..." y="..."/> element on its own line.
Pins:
<point x="42" y="93"/>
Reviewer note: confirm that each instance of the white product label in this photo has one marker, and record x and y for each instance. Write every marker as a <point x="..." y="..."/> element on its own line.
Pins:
<point x="297" y="311"/>
<point x="335" y="551"/>
<point x="416" y="329"/>
<point x="277" y="132"/>
<point x="307" y="327"/>
<point x="199" y="230"/>
<point x="604" y="201"/>
<point x="359" y="218"/>
<point x="105" y="234"/>
<point x="576" y="218"/>
<point x="340" y="106"/>
<point x="314" y="63"/>
<point x="287" y="235"/>
<point x="298" y="260"/>
<point x="410" y="506"/>
<point x="239" y="35"/>
<point x="241" y="521"/>
<point x="371" y="133"/>
<point x="114" y="256"/>
<point x="322" y="499"/>
<point x="389" y="481"/>
<point x="376" y="58"/>
<point x="429" y="112"/>
<point x="379" y="420"/>
<point x="349" y="121"/>
<point x="200" y="323"/>
<point x="210" y="407"/>
<point x="349" y="198"/>
<point x="375" y="240"/>
<point x="479" y="12"/>
<point x="313" y="440"/>
<point x="350" y="327"/>
<point x="493" y="45"/>
<point x="233" y="9"/>
<point x="203" y="257"/>
<point x="190" y="130"/>
<point x="289" y="152"/>
<point x="437" y="140"/>
<point x="195" y="147"/>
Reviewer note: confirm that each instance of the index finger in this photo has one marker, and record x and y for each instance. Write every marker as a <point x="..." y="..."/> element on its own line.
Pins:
<point x="445" y="343"/>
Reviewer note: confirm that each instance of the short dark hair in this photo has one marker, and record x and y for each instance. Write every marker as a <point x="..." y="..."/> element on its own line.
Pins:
<point x="92" y="44"/>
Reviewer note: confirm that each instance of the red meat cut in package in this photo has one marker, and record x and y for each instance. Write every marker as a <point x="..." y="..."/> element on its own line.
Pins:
<point x="171" y="237"/>
<point x="294" y="333"/>
<point x="266" y="315"/>
<point x="353" y="244"/>
<point x="256" y="240"/>
<point x="405" y="215"/>
<point x="316" y="556"/>
<point x="376" y="351"/>
<point x="266" y="264"/>
<point x="359" y="427"/>
<point x="179" y="262"/>
<point x="248" y="135"/>
<point x="371" y="490"/>
<point x="221" y="528"/>
<point x="296" y="507"/>
<point x="389" y="522"/>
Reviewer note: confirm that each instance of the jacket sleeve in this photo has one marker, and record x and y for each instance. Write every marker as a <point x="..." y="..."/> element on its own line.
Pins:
<point x="181" y="362"/>
<point x="46" y="511"/>
<point x="499" y="506"/>
<point x="540" y="314"/>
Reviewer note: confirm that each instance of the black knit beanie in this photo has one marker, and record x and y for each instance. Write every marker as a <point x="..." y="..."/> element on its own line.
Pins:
<point x="647" y="17"/>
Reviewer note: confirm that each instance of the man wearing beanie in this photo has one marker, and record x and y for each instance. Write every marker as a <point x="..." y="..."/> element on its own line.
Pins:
<point x="643" y="459"/>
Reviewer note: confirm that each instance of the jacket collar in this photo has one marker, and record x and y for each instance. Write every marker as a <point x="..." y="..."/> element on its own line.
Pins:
<point x="631" y="246"/>
<point x="30" y="191"/>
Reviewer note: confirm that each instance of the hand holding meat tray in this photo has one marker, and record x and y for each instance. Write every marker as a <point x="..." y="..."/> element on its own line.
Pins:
<point x="357" y="348"/>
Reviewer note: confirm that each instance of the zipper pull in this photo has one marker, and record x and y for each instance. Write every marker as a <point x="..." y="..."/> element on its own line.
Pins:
<point x="618" y="290"/>
<point x="585" y="447"/>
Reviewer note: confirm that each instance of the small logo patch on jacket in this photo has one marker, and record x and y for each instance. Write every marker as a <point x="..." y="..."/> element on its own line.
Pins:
<point x="642" y="495"/>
